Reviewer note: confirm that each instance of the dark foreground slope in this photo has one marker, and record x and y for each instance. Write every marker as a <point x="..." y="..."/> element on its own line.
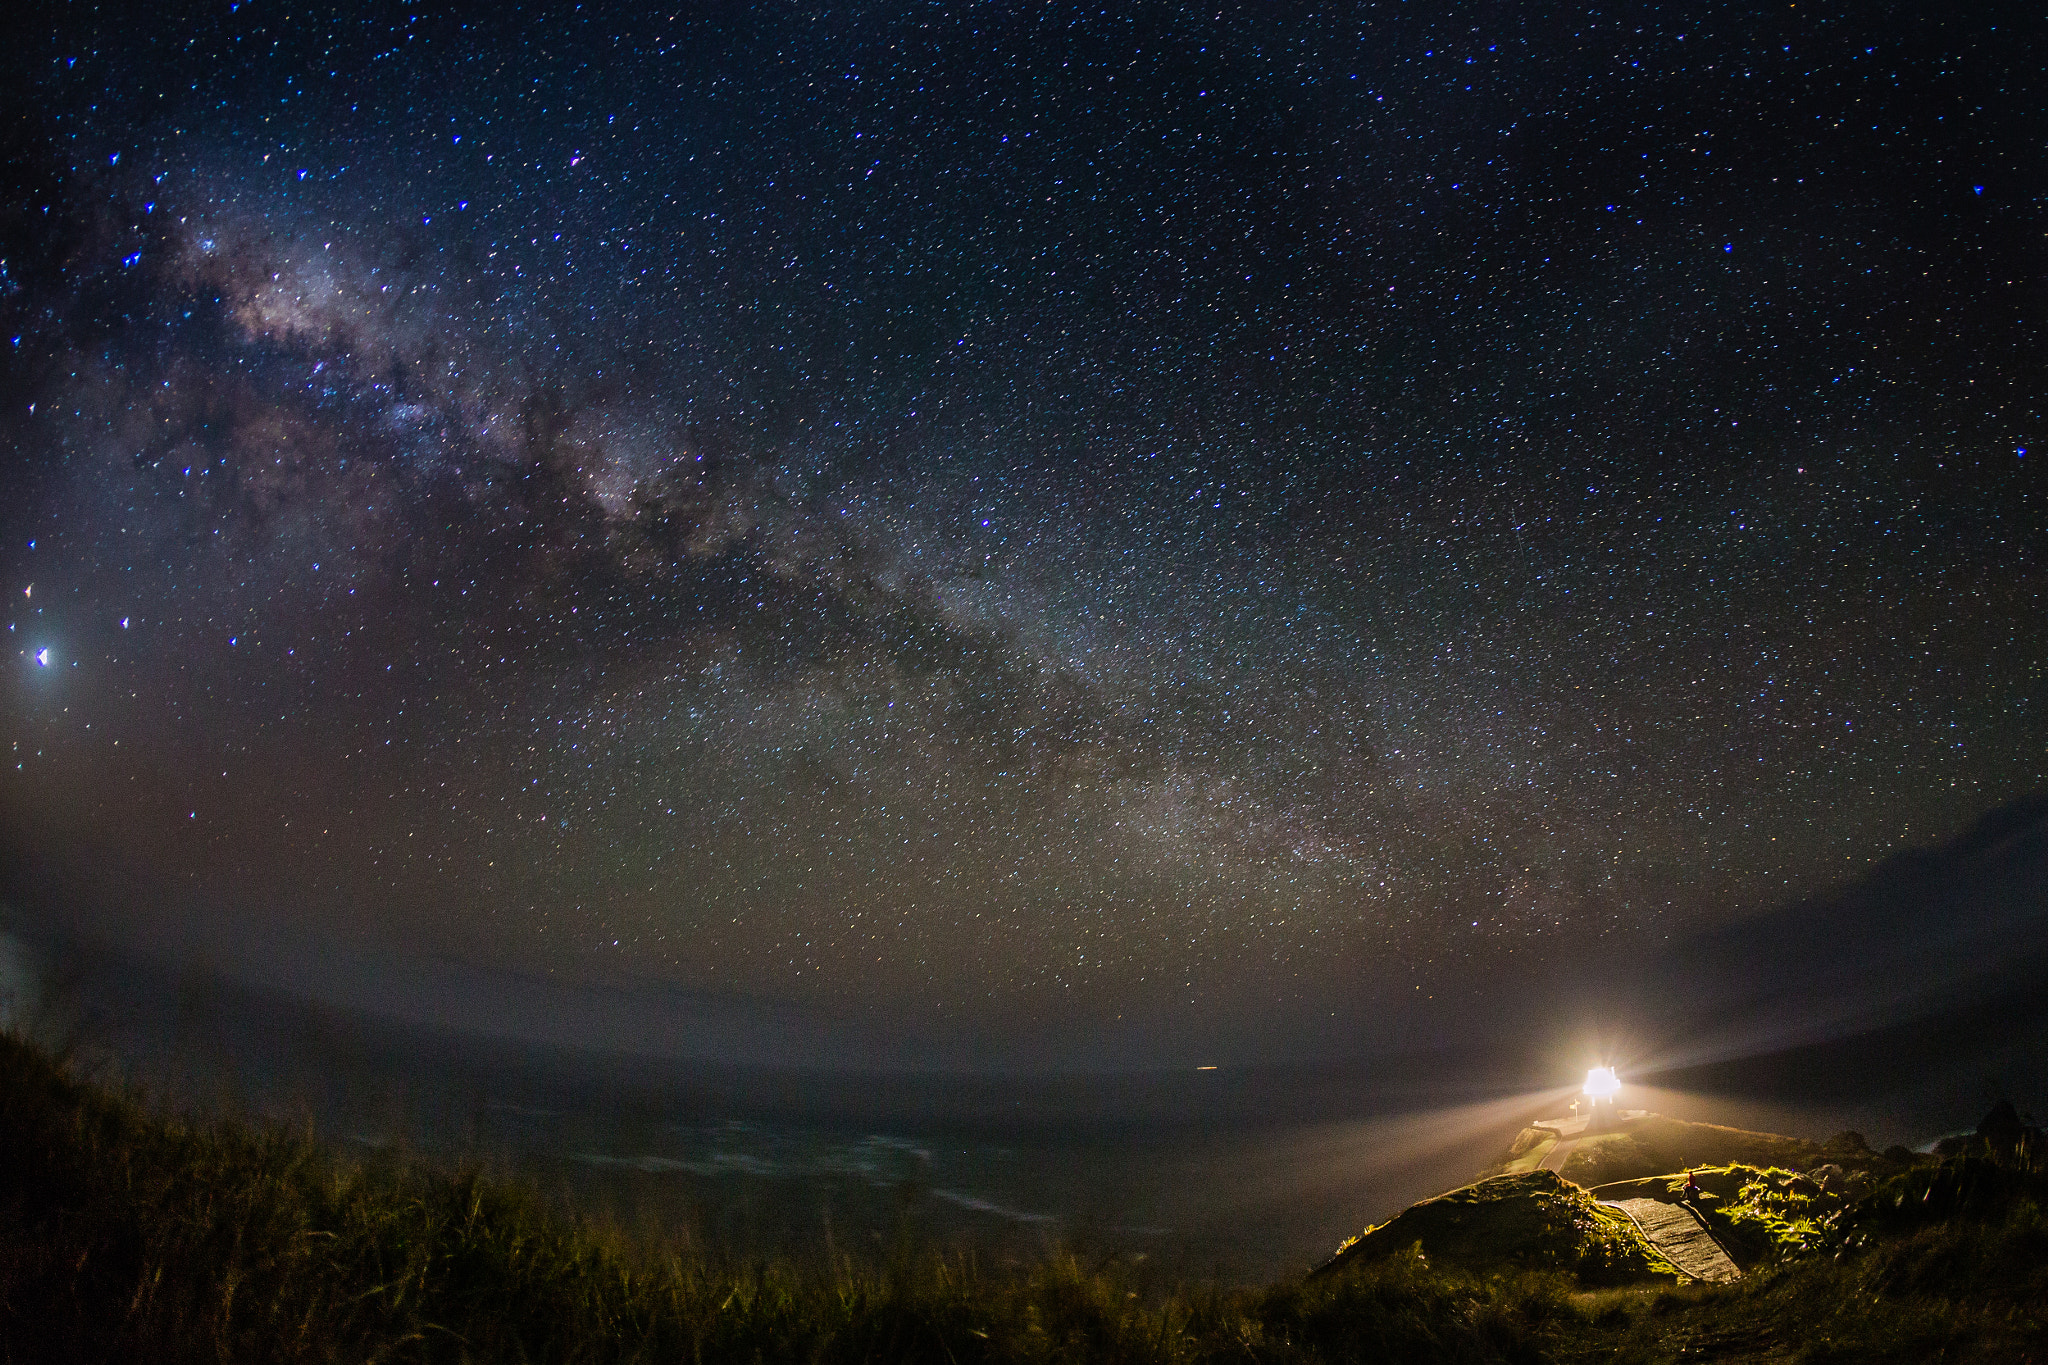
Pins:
<point x="127" y="1237"/>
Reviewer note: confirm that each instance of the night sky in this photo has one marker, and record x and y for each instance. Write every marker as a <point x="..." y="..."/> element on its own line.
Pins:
<point x="1110" y="529"/>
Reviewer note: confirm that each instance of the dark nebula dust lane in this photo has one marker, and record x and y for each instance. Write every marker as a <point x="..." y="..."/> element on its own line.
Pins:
<point x="1142" y="535"/>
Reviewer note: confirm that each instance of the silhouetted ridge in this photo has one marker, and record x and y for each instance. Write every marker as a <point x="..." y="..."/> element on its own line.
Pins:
<point x="1928" y="964"/>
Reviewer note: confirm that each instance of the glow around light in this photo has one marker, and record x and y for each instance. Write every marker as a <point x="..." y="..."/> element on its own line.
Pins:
<point x="1602" y="1083"/>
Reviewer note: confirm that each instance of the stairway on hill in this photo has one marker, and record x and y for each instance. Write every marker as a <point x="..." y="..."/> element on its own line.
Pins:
<point x="1678" y="1232"/>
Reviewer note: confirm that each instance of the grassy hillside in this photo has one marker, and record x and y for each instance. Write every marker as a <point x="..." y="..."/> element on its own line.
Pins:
<point x="1527" y="1152"/>
<point x="1535" y="1220"/>
<point x="1653" y="1145"/>
<point x="128" y="1237"/>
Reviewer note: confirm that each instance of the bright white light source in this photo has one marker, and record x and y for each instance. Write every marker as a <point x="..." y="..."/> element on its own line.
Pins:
<point x="43" y="657"/>
<point x="1601" y="1083"/>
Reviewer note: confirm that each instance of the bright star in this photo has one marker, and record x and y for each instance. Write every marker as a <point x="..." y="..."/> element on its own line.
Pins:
<point x="43" y="657"/>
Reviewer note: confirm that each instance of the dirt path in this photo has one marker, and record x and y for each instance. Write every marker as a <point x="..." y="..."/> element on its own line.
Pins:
<point x="1677" y="1232"/>
<point x="1568" y="1130"/>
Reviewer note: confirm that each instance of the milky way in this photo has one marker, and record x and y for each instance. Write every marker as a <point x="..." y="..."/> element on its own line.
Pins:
<point x="1032" y="515"/>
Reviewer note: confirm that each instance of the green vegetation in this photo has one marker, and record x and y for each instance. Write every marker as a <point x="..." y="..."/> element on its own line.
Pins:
<point x="127" y="1236"/>
<point x="1775" y="1214"/>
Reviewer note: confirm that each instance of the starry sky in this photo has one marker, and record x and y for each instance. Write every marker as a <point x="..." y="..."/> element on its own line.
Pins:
<point x="1203" y="527"/>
